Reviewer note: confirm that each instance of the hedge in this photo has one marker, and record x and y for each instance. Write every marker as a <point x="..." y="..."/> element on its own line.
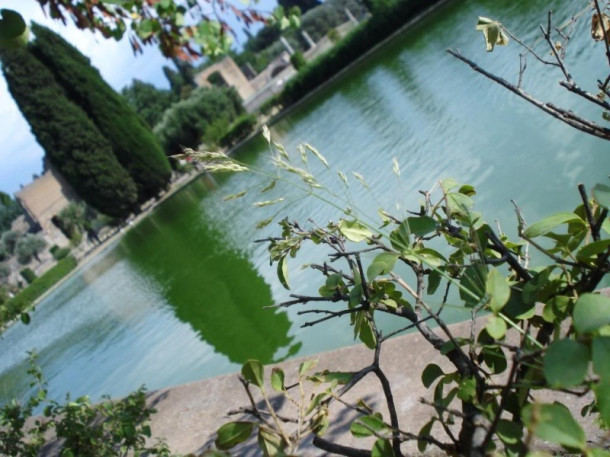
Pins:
<point x="24" y="299"/>
<point x="387" y="19"/>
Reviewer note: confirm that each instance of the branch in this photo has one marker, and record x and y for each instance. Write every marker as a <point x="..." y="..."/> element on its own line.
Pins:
<point x="567" y="117"/>
<point x="339" y="449"/>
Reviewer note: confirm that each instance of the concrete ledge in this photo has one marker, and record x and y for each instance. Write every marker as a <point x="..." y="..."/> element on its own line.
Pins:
<point x="188" y="415"/>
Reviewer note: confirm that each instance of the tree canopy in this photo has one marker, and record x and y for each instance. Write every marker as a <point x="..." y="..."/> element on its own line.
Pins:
<point x="132" y="141"/>
<point x="72" y="143"/>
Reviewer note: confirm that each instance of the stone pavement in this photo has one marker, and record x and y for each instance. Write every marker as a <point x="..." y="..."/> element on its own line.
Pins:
<point x="188" y="415"/>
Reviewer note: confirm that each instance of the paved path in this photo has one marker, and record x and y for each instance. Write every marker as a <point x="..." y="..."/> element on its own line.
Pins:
<point x="189" y="415"/>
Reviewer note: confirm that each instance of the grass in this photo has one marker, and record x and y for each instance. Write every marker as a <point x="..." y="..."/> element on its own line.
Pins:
<point x="20" y="303"/>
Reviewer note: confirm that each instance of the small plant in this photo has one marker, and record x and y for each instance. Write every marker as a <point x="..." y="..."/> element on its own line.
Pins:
<point x="108" y="429"/>
<point x="543" y="325"/>
<point x="298" y="60"/>
<point x="28" y="275"/>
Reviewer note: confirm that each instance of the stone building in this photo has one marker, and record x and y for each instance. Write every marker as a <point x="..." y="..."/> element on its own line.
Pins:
<point x="44" y="198"/>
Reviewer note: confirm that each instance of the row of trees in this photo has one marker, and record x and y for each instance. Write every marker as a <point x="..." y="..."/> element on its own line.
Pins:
<point x="89" y="134"/>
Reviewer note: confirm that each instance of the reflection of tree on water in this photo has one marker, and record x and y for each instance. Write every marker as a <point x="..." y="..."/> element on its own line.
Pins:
<point x="215" y="290"/>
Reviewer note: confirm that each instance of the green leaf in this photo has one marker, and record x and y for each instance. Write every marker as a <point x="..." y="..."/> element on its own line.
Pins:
<point x="253" y="372"/>
<point x="493" y="33"/>
<point x="399" y="238"/>
<point x="382" y="448"/>
<point x="282" y="272"/>
<point x="554" y="423"/>
<point x="459" y="203"/>
<point x="25" y="318"/>
<point x="468" y="190"/>
<point x="509" y="432"/>
<point x="306" y="366"/>
<point x="434" y="280"/>
<point x="565" y="363"/>
<point x="498" y="289"/>
<point x="269" y="442"/>
<point x="277" y="380"/>
<point x="354" y="230"/>
<point x="420" y="226"/>
<point x="495" y="359"/>
<point x="600" y="348"/>
<point x="472" y="284"/>
<point x="367" y="426"/>
<point x="549" y="223"/>
<point x="425" y="431"/>
<point x="591" y="312"/>
<point x="602" y="395"/>
<point x="430" y="374"/>
<point x="601" y="194"/>
<point x="382" y="264"/>
<point x="366" y="334"/>
<point x="233" y="433"/>
<point x="467" y="389"/>
<point x="496" y="327"/>
<point x="592" y="249"/>
<point x="12" y="25"/>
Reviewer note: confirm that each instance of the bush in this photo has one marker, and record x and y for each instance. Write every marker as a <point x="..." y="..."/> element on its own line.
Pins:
<point x="298" y="60"/>
<point x="240" y="129"/>
<point x="186" y="122"/>
<point x="28" y="275"/>
<point x="28" y="247"/>
<point x="9" y="241"/>
<point x="59" y="253"/>
<point x="24" y="299"/>
<point x="385" y="21"/>
<point x="109" y="428"/>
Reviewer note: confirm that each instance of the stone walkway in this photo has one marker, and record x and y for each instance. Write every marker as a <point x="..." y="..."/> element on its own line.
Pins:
<point x="189" y="415"/>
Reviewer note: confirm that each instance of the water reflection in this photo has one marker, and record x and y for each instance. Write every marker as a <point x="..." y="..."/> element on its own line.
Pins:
<point x="209" y="285"/>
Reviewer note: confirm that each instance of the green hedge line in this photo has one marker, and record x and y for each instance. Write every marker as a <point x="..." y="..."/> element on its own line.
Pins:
<point x="387" y="18"/>
<point x="24" y="299"/>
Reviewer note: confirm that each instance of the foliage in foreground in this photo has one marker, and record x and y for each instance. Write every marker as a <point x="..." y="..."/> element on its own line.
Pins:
<point x="77" y="427"/>
<point x="544" y="327"/>
<point x="19" y="304"/>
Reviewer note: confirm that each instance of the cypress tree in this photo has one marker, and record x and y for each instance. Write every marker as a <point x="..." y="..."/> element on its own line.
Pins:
<point x="133" y="143"/>
<point x="71" y="141"/>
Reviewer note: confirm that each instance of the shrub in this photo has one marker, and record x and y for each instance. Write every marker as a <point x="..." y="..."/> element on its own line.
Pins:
<point x="298" y="60"/>
<point x="240" y="129"/>
<point x="381" y="25"/>
<point x="59" y="253"/>
<point x="108" y="428"/>
<point x="28" y="275"/>
<point x="9" y="241"/>
<point x="186" y="122"/>
<point x="28" y="247"/>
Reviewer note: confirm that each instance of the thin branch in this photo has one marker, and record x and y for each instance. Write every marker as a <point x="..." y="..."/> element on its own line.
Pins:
<point x="547" y="36"/>
<point x="565" y="116"/>
<point x="588" y="212"/>
<point x="330" y="314"/>
<point x="339" y="449"/>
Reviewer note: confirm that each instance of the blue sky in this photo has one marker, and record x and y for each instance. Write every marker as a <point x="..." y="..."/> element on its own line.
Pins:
<point x="20" y="154"/>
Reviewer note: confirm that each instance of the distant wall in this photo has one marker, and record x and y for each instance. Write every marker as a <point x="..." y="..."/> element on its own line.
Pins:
<point x="232" y="75"/>
<point x="44" y="198"/>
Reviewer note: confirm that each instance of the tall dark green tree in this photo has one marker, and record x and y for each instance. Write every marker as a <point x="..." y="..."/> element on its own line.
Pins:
<point x="133" y="143"/>
<point x="9" y="210"/>
<point x="71" y="141"/>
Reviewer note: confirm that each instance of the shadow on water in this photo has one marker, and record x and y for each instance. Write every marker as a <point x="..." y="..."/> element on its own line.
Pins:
<point x="209" y="285"/>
